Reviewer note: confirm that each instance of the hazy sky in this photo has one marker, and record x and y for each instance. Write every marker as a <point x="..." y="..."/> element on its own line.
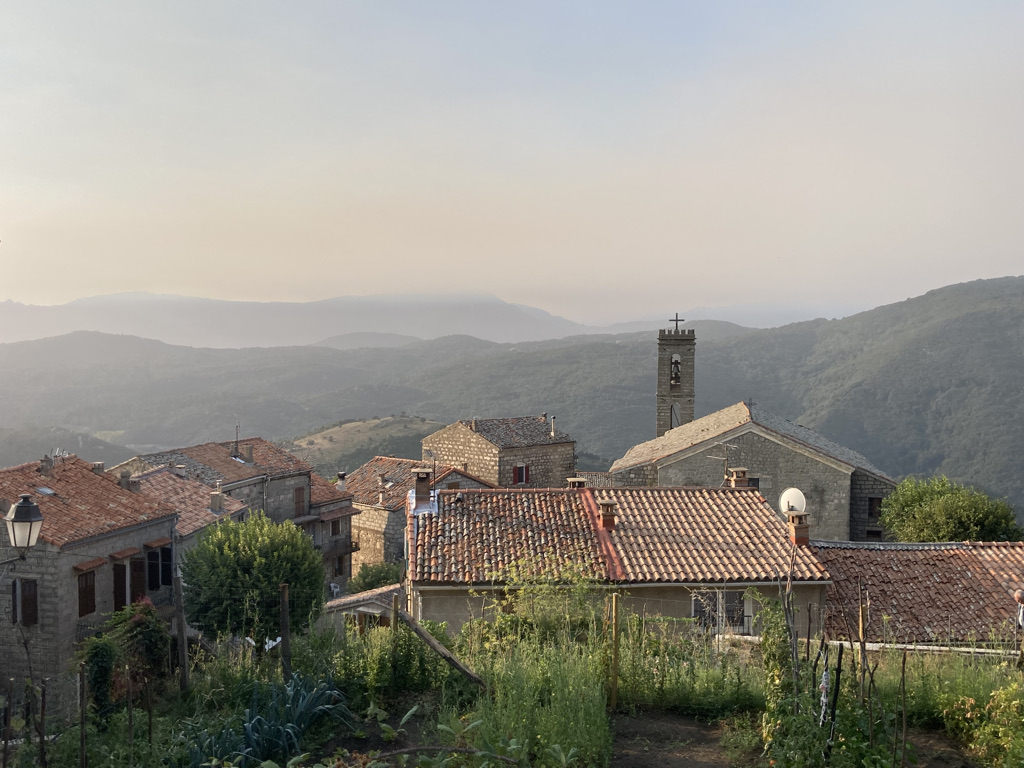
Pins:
<point x="603" y="161"/>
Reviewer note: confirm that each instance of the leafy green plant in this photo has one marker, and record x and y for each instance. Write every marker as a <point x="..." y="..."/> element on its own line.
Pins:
<point x="372" y="576"/>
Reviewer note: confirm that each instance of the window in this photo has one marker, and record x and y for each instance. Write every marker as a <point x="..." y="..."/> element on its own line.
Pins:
<point x="336" y="527"/>
<point x="453" y="486"/>
<point x="520" y="474"/>
<point x="120" y="586"/>
<point x="138" y="579"/>
<point x="86" y="593"/>
<point x="153" y="570"/>
<point x="874" y="508"/>
<point x="343" y="565"/>
<point x="24" y="602"/>
<point x="754" y="482"/>
<point x="873" y="535"/>
<point x="300" y="502"/>
<point x="166" y="566"/>
<point x="726" y="607"/>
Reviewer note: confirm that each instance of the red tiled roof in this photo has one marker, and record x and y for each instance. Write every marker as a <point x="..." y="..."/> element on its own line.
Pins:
<point x="210" y="463"/>
<point x="698" y="535"/>
<point x="923" y="592"/>
<point x="190" y="499"/>
<point x="124" y="554"/>
<point x="83" y="504"/>
<point x="662" y="535"/>
<point x="478" y="536"/>
<point x="364" y="483"/>
<point x="90" y="565"/>
<point x="322" y="491"/>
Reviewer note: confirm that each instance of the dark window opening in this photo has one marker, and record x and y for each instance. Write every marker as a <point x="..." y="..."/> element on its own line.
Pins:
<point x="521" y="474"/>
<point x="453" y="486"/>
<point x="120" y="585"/>
<point x="874" y="535"/>
<point x="874" y="508"/>
<point x="153" y="570"/>
<point x="335" y="527"/>
<point x="86" y="593"/>
<point x="166" y="566"/>
<point x="138" y="579"/>
<point x="754" y="482"/>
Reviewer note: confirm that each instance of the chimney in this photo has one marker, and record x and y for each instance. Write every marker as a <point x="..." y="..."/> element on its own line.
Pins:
<point x="380" y="488"/>
<point x="98" y="467"/>
<point x="736" y="477"/>
<point x="608" y="513"/>
<point x="422" y="494"/>
<point x="552" y="426"/>
<point x="134" y="485"/>
<point x="45" y="465"/>
<point x="179" y="470"/>
<point x="545" y="417"/>
<point x="472" y="424"/>
<point x="799" y="529"/>
<point x="340" y="484"/>
<point x="216" y="501"/>
<point x="247" y="453"/>
<point x="576" y="482"/>
<point x="125" y="480"/>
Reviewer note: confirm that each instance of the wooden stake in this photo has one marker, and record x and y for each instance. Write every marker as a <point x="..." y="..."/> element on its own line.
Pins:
<point x="614" y="697"/>
<point x="42" y="725"/>
<point x="286" y="641"/>
<point x="179" y="617"/>
<point x="83" y="705"/>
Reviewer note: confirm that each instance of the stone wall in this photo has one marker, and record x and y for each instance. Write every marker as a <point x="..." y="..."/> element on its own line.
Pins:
<point x="52" y="641"/>
<point x="864" y="487"/>
<point x="643" y="476"/>
<point x="381" y="536"/>
<point x="458" y="445"/>
<point x="550" y="465"/>
<point x="776" y="467"/>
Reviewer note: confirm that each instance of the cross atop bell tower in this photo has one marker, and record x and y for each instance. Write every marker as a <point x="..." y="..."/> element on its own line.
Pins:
<point x="675" y="376"/>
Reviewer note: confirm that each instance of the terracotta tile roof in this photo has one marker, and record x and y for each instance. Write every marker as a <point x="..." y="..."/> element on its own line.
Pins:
<point x="210" y="463"/>
<point x="124" y="554"/>
<point x="322" y="491"/>
<point x="518" y="431"/>
<point x="928" y="593"/>
<point x="717" y="424"/>
<point x="190" y="498"/>
<point x="476" y="536"/>
<point x="90" y="565"/>
<point x="81" y="504"/>
<point x="364" y="483"/>
<point x="703" y="535"/>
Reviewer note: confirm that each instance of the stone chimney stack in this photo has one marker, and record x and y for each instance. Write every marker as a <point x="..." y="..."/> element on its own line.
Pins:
<point x="472" y="424"/>
<point x="45" y="466"/>
<point x="216" y="501"/>
<point x="422" y="488"/>
<point x="799" y="529"/>
<point x="380" y="488"/>
<point x="125" y="480"/>
<point x="340" y="484"/>
<point x="552" y="426"/>
<point x="608" y="513"/>
<point x="98" y="468"/>
<point x="576" y="482"/>
<point x="736" y="477"/>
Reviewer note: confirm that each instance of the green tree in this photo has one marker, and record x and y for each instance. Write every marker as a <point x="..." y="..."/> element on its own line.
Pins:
<point x="233" y="575"/>
<point x="938" y="509"/>
<point x="373" y="576"/>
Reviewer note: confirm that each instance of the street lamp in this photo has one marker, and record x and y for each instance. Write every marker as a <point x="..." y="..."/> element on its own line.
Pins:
<point x="24" y="521"/>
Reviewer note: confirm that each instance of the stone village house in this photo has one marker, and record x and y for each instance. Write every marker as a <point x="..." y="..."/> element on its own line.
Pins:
<point x="679" y="552"/>
<point x="262" y="476"/>
<point x="101" y="547"/>
<point x="379" y="489"/>
<point x="523" y="451"/>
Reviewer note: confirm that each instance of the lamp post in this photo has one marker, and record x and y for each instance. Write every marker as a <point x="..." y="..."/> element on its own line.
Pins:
<point x="24" y="521"/>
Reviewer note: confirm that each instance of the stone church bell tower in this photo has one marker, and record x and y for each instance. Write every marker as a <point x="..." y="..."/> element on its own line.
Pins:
<point x="675" y="376"/>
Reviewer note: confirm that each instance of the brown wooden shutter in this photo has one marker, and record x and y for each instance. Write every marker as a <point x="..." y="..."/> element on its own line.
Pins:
<point x="526" y="473"/>
<point x="138" y="588"/>
<point x="300" y="502"/>
<point x="86" y="593"/>
<point x="120" y="585"/>
<point x="29" y="603"/>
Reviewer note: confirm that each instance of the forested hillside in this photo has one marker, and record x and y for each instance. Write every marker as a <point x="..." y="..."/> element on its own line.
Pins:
<point x="931" y="384"/>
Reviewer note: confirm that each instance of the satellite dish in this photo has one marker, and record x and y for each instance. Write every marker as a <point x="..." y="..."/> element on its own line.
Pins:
<point x="792" y="500"/>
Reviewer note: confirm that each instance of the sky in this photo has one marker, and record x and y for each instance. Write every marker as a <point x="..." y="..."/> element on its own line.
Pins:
<point x="604" y="161"/>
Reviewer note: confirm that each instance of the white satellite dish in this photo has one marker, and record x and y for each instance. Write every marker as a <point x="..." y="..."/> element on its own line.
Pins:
<point x="792" y="500"/>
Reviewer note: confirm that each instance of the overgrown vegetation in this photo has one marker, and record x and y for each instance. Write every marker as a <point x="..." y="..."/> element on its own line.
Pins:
<point x="372" y="576"/>
<point x="546" y="653"/>
<point x="937" y="509"/>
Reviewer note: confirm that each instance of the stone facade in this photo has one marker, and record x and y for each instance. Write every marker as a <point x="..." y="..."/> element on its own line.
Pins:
<point x="675" y="392"/>
<point x="550" y="464"/>
<point x="866" y="494"/>
<point x="775" y="466"/>
<point x="380" y="533"/>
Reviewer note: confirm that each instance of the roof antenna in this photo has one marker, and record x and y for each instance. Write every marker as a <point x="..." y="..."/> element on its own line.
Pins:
<point x="234" y="453"/>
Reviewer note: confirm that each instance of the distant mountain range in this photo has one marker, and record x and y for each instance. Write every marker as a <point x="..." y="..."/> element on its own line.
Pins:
<point x="931" y="384"/>
<point x="341" y="323"/>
